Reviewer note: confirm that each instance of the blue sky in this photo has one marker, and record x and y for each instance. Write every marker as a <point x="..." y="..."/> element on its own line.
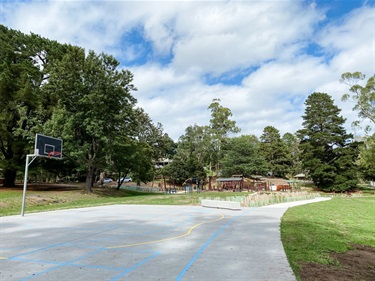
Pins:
<point x="261" y="58"/>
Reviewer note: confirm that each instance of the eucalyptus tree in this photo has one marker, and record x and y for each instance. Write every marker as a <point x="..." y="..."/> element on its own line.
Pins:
<point x="189" y="160"/>
<point x="94" y="106"/>
<point x="220" y="127"/>
<point x="328" y="153"/>
<point x="363" y="96"/>
<point x="25" y="64"/>
<point x="146" y="131"/>
<point x="367" y="158"/>
<point x="241" y="156"/>
<point x="293" y="153"/>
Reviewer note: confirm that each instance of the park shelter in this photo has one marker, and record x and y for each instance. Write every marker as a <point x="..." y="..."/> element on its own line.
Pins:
<point x="233" y="183"/>
<point x="300" y="176"/>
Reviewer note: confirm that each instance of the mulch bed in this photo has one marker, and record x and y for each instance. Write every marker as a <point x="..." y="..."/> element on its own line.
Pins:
<point x="357" y="264"/>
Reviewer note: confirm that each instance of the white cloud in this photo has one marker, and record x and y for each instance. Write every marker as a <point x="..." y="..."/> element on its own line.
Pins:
<point x="230" y="35"/>
<point x="212" y="38"/>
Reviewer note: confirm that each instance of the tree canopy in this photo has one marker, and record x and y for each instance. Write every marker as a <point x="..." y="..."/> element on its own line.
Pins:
<point x="242" y="157"/>
<point x="367" y="158"/>
<point x="25" y="65"/>
<point x="275" y="152"/>
<point x="62" y="91"/>
<point x="363" y="96"/>
<point x="94" y="106"/>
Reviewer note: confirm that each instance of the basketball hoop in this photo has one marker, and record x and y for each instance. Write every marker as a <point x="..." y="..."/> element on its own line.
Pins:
<point x="54" y="154"/>
<point x="44" y="147"/>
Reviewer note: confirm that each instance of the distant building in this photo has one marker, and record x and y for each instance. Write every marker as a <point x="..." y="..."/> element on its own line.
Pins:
<point x="160" y="163"/>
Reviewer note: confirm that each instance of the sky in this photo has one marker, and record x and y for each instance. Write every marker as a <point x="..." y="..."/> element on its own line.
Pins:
<point x="262" y="59"/>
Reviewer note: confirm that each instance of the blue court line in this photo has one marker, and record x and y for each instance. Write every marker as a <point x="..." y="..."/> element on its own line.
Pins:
<point x="57" y="265"/>
<point x="135" y="266"/>
<point x="63" y="264"/>
<point x="72" y="243"/>
<point x="209" y="241"/>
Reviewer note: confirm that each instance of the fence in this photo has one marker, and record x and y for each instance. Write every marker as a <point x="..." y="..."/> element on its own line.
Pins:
<point x="143" y="189"/>
<point x="263" y="199"/>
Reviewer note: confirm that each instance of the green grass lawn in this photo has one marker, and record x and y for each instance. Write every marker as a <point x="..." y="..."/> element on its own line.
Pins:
<point x="51" y="199"/>
<point x="310" y="232"/>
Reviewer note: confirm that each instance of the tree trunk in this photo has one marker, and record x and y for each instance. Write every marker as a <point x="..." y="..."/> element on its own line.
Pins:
<point x="89" y="176"/>
<point x="9" y="178"/>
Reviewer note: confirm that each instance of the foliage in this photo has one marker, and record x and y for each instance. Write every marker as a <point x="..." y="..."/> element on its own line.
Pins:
<point x="199" y="149"/>
<point x="242" y="157"/>
<point x="367" y="158"/>
<point x="327" y="152"/>
<point x="293" y="153"/>
<point x="131" y="157"/>
<point x="191" y="155"/>
<point x="274" y="151"/>
<point x="94" y="106"/>
<point x="363" y="96"/>
<point x="162" y="145"/>
<point x="219" y="128"/>
<point x="220" y="123"/>
<point x="26" y="61"/>
<point x="58" y="90"/>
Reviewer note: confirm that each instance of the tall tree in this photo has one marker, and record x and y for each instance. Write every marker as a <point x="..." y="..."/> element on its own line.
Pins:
<point x="363" y="96"/>
<point x="241" y="156"/>
<point x="130" y="156"/>
<point x="275" y="152"/>
<point x="189" y="160"/>
<point x="327" y="151"/>
<point x="162" y="145"/>
<point x="293" y="153"/>
<point x="367" y="158"/>
<point x="220" y="126"/>
<point x="25" y="63"/>
<point x="95" y="106"/>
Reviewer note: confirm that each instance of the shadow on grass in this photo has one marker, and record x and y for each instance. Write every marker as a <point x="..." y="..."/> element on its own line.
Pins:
<point x="113" y="192"/>
<point x="44" y="187"/>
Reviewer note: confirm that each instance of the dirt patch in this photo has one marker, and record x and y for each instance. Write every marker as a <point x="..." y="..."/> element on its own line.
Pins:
<point x="357" y="264"/>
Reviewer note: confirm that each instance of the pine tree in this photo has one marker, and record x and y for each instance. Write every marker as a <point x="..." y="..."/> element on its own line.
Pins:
<point x="275" y="152"/>
<point x="327" y="151"/>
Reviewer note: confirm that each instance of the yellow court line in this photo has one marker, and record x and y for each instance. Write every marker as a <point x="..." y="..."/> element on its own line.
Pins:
<point x="165" y="239"/>
<point x="3" y="258"/>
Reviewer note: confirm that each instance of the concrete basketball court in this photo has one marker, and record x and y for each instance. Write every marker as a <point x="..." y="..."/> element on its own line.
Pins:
<point x="134" y="242"/>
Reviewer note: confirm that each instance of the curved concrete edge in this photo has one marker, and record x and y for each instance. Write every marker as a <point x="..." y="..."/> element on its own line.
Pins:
<point x="298" y="203"/>
<point x="229" y="205"/>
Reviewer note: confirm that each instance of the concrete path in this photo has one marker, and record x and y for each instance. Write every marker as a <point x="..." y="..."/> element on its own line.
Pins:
<point x="133" y="242"/>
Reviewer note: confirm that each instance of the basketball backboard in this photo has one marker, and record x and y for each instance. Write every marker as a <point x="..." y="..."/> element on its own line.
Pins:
<point x="48" y="146"/>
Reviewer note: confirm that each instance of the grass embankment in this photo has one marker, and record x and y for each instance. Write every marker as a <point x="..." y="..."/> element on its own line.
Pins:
<point x="311" y="232"/>
<point x="47" y="199"/>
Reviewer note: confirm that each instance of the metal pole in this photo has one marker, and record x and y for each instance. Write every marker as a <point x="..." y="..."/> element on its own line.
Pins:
<point x="25" y="185"/>
<point x="25" y="182"/>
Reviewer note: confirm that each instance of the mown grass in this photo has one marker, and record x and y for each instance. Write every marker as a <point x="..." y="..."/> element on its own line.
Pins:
<point x="50" y="199"/>
<point x="310" y="232"/>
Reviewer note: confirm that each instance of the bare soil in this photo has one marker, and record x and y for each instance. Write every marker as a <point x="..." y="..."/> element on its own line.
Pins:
<point x="357" y="264"/>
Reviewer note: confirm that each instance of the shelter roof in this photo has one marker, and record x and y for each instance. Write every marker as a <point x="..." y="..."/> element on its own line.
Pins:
<point x="228" y="179"/>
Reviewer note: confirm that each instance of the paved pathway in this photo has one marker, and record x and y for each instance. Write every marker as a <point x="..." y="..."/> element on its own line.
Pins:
<point x="134" y="242"/>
